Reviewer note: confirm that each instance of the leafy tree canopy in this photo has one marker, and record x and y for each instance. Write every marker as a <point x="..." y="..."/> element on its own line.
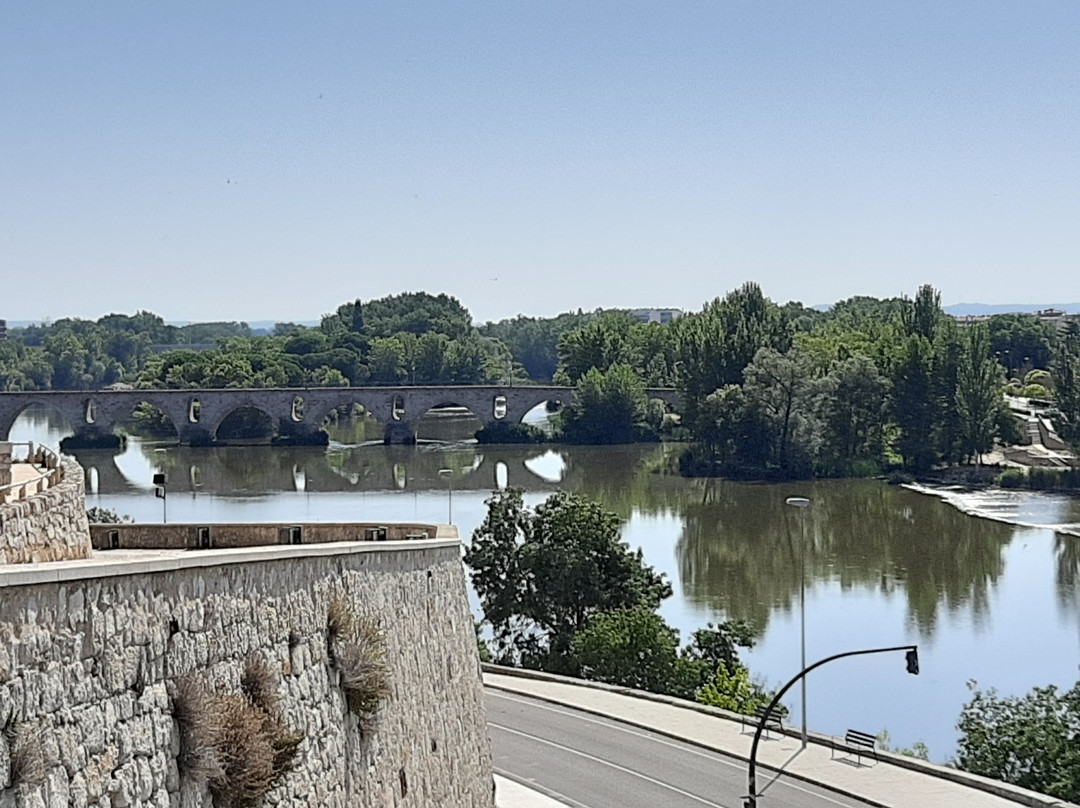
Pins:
<point x="1029" y="741"/>
<point x="541" y="574"/>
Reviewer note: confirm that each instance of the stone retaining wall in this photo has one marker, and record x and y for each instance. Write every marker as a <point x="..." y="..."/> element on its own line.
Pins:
<point x="89" y="668"/>
<point x="47" y="526"/>
<point x="181" y="536"/>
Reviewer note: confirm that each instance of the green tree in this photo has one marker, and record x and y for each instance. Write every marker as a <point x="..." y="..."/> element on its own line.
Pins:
<point x="1029" y="741"/>
<point x="635" y="648"/>
<point x="730" y="688"/>
<point x="600" y="344"/>
<point x="978" y="393"/>
<point x="534" y="342"/>
<point x="911" y="404"/>
<point x="923" y="315"/>
<point x="783" y="388"/>
<point x="608" y="407"/>
<point x="852" y="413"/>
<point x="414" y="312"/>
<point x="1021" y="341"/>
<point x="714" y="347"/>
<point x="1066" y="371"/>
<point x="542" y="574"/>
<point x="947" y="355"/>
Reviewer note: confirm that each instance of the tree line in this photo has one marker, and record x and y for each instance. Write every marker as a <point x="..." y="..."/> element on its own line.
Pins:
<point x="767" y="390"/>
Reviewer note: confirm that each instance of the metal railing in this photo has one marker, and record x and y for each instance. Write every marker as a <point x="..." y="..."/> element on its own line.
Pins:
<point x="47" y="470"/>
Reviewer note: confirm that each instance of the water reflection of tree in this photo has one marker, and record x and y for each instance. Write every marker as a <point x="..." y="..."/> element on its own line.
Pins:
<point x="619" y="477"/>
<point x="1067" y="550"/>
<point x="740" y="552"/>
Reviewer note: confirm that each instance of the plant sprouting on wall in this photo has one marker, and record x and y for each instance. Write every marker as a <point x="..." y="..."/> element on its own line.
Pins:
<point x="238" y="744"/>
<point x="357" y="649"/>
<point x="25" y="757"/>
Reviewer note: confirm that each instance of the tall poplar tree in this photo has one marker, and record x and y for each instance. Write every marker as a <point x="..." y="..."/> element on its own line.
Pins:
<point x="978" y="392"/>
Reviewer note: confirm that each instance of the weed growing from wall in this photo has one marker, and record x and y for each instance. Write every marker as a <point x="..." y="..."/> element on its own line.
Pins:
<point x="238" y="744"/>
<point x="26" y="764"/>
<point x="357" y="649"/>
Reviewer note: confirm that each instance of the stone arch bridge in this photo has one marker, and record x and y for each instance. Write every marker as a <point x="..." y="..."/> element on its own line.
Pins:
<point x="298" y="411"/>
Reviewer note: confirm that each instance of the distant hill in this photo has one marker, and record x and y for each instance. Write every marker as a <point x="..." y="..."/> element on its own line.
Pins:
<point x="963" y="309"/>
<point x="257" y="326"/>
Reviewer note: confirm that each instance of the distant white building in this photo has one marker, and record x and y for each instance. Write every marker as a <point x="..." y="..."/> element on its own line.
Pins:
<point x="662" y="316"/>
<point x="1055" y="317"/>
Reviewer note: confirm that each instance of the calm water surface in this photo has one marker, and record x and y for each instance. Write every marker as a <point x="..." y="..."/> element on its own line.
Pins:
<point x="985" y="583"/>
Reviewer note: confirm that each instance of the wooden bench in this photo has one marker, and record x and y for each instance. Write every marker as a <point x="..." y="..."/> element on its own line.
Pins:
<point x="773" y="720"/>
<point x="857" y="744"/>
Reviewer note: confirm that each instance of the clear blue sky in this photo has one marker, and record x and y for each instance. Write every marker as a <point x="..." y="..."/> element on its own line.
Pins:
<point x="226" y="160"/>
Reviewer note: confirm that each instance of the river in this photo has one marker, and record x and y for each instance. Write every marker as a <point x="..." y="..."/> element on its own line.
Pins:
<point x="986" y="583"/>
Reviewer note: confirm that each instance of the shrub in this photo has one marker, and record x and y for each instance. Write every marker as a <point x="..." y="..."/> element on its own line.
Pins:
<point x="357" y="649"/>
<point x="27" y="758"/>
<point x="733" y="690"/>
<point x="259" y="684"/>
<point x="106" y="516"/>
<point x="197" y="711"/>
<point x="502" y="432"/>
<point x="1012" y="478"/>
<point x="245" y="753"/>
<point x="236" y="743"/>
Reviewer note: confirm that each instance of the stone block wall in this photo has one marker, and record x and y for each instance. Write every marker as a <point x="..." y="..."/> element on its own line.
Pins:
<point x="50" y="525"/>
<point x="182" y="536"/>
<point x="89" y="668"/>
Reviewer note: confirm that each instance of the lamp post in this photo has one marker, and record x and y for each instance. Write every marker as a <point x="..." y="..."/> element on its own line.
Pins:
<point x="159" y="492"/>
<point x="912" y="659"/>
<point x="802" y="503"/>
<point x="449" y="475"/>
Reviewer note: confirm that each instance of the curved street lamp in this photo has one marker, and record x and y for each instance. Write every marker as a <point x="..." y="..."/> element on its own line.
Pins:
<point x="912" y="658"/>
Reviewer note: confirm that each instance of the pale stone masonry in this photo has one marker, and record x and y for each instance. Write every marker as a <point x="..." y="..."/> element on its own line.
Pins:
<point x="50" y="525"/>
<point x="91" y="651"/>
<point x="91" y="664"/>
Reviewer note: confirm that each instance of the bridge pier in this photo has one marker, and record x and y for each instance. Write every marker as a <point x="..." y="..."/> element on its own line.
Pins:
<point x="399" y="433"/>
<point x="92" y="439"/>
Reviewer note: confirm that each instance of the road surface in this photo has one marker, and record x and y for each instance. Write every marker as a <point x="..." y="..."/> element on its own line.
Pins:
<point x="586" y="761"/>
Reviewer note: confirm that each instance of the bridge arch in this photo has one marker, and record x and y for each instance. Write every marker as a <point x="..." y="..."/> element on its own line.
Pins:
<point x="247" y="421"/>
<point x="38" y="414"/>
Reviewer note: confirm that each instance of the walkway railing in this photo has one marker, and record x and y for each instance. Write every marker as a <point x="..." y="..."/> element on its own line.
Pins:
<point x="41" y="469"/>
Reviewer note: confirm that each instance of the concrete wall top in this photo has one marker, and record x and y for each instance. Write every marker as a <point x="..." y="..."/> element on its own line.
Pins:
<point x="137" y="562"/>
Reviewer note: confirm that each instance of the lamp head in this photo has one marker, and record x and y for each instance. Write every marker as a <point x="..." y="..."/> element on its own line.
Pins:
<point x="913" y="661"/>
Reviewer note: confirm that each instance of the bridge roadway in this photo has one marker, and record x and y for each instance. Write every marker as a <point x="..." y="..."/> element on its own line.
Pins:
<point x="197" y="414"/>
<point x="594" y="746"/>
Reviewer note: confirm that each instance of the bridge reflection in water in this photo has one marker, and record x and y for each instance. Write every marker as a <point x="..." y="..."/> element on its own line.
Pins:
<point x="374" y="468"/>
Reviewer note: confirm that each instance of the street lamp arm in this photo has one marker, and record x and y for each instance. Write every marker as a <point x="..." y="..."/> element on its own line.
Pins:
<point x="751" y="799"/>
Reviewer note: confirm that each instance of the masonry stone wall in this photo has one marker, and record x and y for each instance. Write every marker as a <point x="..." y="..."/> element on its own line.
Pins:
<point x="50" y="525"/>
<point x="184" y="536"/>
<point x="90" y="660"/>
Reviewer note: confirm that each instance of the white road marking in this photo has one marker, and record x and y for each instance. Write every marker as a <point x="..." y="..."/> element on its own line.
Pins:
<point x="608" y="763"/>
<point x="614" y="723"/>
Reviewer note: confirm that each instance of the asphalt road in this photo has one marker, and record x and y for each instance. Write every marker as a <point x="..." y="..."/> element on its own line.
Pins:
<point x="586" y="761"/>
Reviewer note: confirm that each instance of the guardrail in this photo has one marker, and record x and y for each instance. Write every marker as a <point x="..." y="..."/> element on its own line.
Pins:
<point x="48" y="470"/>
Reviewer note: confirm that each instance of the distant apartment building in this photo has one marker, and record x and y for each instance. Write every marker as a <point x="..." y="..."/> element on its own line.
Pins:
<point x="662" y="316"/>
<point x="3" y="329"/>
<point x="1055" y="317"/>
